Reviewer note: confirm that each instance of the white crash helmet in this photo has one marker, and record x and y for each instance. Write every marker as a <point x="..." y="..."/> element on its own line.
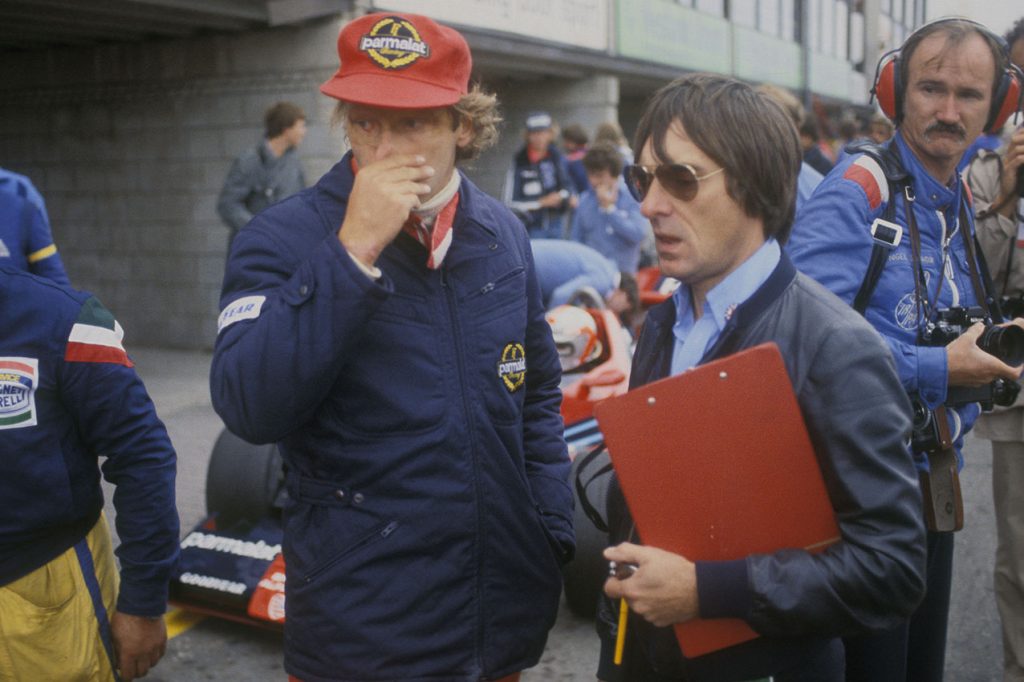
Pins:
<point x="576" y="337"/>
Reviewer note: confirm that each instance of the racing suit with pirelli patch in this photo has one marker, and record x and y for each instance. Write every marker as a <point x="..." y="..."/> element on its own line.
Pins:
<point x="417" y="415"/>
<point x="832" y="242"/>
<point x="68" y="396"/>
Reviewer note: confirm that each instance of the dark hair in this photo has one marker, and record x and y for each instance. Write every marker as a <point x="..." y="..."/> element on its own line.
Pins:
<point x="1015" y="33"/>
<point x="280" y="117"/>
<point x="956" y="31"/>
<point x="575" y="134"/>
<point x="602" y="156"/>
<point x="761" y="161"/>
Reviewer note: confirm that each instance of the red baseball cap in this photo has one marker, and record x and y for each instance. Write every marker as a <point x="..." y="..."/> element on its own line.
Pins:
<point x="400" y="61"/>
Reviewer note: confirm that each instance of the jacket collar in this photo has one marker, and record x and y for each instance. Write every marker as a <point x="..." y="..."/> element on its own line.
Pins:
<point x="928" y="192"/>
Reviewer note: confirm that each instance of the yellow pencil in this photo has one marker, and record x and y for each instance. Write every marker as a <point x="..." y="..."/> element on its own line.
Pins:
<point x="620" y="640"/>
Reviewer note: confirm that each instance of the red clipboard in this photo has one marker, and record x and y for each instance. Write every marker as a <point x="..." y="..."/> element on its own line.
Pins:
<point x="716" y="464"/>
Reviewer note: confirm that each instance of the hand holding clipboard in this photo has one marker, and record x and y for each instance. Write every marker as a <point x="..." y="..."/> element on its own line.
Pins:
<point x="716" y="464"/>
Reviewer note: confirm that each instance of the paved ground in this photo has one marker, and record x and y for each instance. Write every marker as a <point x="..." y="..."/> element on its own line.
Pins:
<point x="216" y="650"/>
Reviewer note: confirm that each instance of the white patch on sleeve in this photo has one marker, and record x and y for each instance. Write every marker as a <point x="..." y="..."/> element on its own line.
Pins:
<point x="245" y="308"/>
<point x="871" y="166"/>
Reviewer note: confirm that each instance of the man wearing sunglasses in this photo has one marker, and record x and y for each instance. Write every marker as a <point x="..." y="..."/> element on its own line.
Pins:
<point x="903" y="254"/>
<point x="720" y="195"/>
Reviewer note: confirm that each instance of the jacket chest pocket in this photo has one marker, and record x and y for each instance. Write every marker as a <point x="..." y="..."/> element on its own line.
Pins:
<point x="496" y="337"/>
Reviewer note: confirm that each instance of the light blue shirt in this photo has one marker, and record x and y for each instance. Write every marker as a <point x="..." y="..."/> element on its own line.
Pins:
<point x="694" y="337"/>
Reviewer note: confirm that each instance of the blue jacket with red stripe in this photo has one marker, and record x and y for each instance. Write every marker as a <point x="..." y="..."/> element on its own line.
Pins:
<point x="832" y="242"/>
<point x="68" y="396"/>
<point x="418" y="419"/>
<point x="25" y="239"/>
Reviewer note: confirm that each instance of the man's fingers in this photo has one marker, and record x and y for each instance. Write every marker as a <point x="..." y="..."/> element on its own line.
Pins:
<point x="627" y="552"/>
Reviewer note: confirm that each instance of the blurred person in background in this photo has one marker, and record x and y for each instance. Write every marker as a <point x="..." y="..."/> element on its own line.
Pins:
<point x="809" y="178"/>
<point x="538" y="187"/>
<point x="574" y="142"/>
<point x="611" y="133"/>
<point x="608" y="218"/>
<point x="266" y="173"/>
<point x="810" y="142"/>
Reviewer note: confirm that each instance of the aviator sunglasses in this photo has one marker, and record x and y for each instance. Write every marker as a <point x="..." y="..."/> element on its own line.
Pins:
<point x="679" y="179"/>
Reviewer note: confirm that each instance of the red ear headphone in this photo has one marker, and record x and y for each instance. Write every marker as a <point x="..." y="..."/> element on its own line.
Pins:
<point x="1006" y="101"/>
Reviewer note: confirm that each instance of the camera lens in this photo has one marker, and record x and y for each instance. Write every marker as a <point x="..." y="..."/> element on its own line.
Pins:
<point x="1006" y="343"/>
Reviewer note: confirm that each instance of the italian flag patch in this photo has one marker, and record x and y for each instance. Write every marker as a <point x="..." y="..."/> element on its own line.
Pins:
<point x="96" y="337"/>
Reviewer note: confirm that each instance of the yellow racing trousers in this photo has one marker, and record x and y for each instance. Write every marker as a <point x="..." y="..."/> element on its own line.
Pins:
<point x="54" y="621"/>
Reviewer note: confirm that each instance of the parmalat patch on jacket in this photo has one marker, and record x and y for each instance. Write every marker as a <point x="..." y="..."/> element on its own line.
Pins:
<point x="96" y="337"/>
<point x="512" y="366"/>
<point x="19" y="378"/>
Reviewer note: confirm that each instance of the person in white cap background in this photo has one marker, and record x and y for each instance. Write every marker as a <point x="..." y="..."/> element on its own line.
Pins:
<point x="538" y="186"/>
<point x="385" y="328"/>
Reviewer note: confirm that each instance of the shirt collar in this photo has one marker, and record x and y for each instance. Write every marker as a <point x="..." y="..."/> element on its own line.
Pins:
<point x="739" y="285"/>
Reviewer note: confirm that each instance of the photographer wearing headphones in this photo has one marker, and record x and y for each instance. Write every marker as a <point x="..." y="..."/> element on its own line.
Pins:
<point x="996" y="180"/>
<point x="890" y="230"/>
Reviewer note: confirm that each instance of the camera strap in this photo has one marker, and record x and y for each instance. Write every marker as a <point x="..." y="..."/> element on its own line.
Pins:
<point x="889" y="163"/>
<point x="940" y="485"/>
<point x="980" y="279"/>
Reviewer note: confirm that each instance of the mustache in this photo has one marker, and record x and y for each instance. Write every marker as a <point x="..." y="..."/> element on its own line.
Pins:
<point x="951" y="128"/>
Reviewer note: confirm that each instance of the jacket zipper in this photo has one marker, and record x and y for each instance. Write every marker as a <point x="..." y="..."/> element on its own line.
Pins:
<point x="378" y="533"/>
<point x="478" y="544"/>
<point x="491" y="286"/>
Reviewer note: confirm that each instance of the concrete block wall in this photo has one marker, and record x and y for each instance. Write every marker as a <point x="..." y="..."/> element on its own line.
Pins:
<point x="130" y="144"/>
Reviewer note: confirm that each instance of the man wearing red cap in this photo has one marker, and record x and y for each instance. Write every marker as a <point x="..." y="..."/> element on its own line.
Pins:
<point x="385" y="327"/>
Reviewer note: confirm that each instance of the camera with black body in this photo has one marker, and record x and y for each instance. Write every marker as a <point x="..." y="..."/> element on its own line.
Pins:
<point x="1005" y="343"/>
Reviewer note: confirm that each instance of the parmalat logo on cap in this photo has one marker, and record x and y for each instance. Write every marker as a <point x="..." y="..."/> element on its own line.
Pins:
<point x="394" y="43"/>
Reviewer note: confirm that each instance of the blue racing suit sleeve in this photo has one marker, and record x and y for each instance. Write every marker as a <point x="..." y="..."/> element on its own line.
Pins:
<point x="299" y="319"/>
<point x="117" y="420"/>
<point x="831" y="242"/>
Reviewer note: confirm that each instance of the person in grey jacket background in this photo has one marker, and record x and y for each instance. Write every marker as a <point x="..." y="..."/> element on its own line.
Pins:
<point x="266" y="173"/>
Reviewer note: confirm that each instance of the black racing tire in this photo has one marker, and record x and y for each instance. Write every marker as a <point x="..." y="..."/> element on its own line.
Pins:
<point x="584" y="576"/>
<point x="243" y="480"/>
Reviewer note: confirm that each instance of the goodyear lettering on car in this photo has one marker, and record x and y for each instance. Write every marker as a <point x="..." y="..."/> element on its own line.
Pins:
<point x="394" y="43"/>
<point x="512" y="366"/>
<point x="19" y="378"/>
